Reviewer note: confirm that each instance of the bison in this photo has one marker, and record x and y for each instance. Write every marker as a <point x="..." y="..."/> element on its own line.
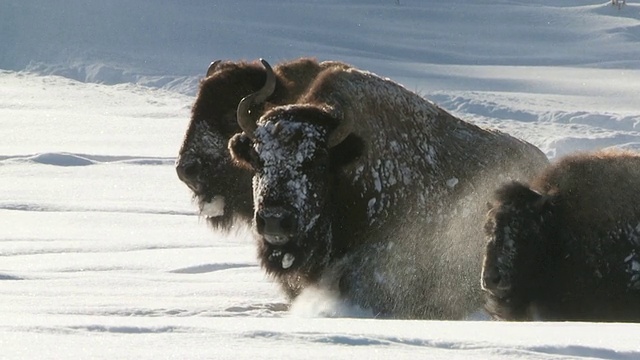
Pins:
<point x="223" y="192"/>
<point x="567" y="246"/>
<point x="369" y="189"/>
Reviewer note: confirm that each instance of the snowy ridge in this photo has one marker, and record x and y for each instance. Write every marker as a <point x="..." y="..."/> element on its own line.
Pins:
<point x="9" y="277"/>
<point x="69" y="159"/>
<point x="557" y="127"/>
<point x="120" y="49"/>
<point x="41" y="207"/>
<point x="206" y="268"/>
<point x="111" y="75"/>
<point x="498" y="108"/>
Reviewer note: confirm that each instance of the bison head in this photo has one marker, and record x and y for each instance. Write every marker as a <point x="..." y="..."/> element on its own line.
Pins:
<point x="204" y="164"/>
<point x="518" y="230"/>
<point x="295" y="153"/>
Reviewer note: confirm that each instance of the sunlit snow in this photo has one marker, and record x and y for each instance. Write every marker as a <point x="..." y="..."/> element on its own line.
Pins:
<point x="103" y="254"/>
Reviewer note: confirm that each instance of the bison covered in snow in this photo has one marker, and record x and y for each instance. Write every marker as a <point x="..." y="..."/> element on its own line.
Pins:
<point x="567" y="246"/>
<point x="368" y="189"/>
<point x="223" y="192"/>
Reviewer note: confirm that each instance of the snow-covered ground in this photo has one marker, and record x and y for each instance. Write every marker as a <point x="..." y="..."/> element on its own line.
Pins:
<point x="102" y="254"/>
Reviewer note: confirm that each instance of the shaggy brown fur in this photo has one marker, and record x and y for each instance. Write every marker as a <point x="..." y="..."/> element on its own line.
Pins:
<point x="387" y="218"/>
<point x="567" y="247"/>
<point x="204" y="163"/>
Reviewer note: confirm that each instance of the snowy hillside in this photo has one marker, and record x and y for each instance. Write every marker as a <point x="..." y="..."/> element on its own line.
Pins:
<point x="160" y="42"/>
<point x="102" y="254"/>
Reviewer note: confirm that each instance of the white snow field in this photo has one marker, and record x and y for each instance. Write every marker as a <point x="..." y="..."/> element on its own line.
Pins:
<point x="102" y="254"/>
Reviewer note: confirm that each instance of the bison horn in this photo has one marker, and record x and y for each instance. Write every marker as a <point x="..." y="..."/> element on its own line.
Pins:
<point x="212" y="67"/>
<point x="248" y="123"/>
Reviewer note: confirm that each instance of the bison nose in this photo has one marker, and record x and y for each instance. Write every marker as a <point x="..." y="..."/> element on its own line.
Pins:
<point x="275" y="224"/>
<point x="494" y="283"/>
<point x="189" y="172"/>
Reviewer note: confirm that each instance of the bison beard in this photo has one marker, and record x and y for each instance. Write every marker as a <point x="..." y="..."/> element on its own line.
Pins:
<point x="290" y="242"/>
<point x="376" y="194"/>
<point x="222" y="191"/>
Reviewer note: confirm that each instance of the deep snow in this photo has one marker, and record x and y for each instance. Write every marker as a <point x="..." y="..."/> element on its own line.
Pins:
<point x="102" y="254"/>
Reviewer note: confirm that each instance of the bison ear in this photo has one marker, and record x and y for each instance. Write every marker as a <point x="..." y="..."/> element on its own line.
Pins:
<point x="242" y="152"/>
<point x="346" y="152"/>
